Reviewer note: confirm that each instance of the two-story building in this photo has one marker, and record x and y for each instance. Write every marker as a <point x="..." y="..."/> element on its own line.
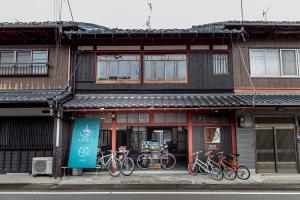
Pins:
<point x="34" y="70"/>
<point x="225" y="87"/>
<point x="174" y="86"/>
<point x="266" y="63"/>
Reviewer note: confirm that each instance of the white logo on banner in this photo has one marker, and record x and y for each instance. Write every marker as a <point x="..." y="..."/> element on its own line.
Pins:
<point x="84" y="151"/>
<point x="85" y="135"/>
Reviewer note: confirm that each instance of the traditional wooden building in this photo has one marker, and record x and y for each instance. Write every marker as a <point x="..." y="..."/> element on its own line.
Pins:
<point x="225" y="86"/>
<point x="34" y="70"/>
<point x="173" y="86"/>
<point x="267" y="66"/>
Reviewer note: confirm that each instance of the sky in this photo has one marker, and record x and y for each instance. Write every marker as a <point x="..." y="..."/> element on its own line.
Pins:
<point x="134" y="13"/>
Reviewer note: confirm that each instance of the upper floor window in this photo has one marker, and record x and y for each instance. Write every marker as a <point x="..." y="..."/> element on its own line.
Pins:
<point x="165" y="68"/>
<point x="23" y="62"/>
<point x="220" y="63"/>
<point x="274" y="62"/>
<point x="118" y="67"/>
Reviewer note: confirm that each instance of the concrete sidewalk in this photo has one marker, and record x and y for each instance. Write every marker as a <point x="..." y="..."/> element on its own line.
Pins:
<point x="147" y="178"/>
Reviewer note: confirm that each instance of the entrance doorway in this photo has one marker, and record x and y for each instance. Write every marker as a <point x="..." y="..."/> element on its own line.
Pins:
<point x="276" y="149"/>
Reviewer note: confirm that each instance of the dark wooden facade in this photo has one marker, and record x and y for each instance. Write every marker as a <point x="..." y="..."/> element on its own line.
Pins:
<point x="58" y="73"/>
<point x="200" y="77"/>
<point x="241" y="79"/>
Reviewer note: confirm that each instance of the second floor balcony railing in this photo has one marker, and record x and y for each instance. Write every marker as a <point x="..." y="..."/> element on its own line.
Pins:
<point x="24" y="69"/>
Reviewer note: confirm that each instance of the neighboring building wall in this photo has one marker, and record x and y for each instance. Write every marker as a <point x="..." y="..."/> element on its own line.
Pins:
<point x="241" y="79"/>
<point x="57" y="75"/>
<point x="246" y="135"/>
<point x="200" y="76"/>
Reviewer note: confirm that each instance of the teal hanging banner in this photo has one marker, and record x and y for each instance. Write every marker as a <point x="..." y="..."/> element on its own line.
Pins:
<point x="85" y="136"/>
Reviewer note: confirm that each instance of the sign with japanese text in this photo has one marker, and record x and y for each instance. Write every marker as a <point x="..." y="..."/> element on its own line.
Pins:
<point x="212" y="138"/>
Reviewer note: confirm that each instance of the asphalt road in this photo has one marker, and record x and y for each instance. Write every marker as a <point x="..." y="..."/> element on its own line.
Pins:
<point x="211" y="195"/>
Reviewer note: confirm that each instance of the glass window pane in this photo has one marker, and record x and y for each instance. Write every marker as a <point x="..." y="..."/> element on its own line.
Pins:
<point x="148" y="71"/>
<point x="181" y="117"/>
<point x="108" y="57"/>
<point x="159" y="117"/>
<point x="7" y="57"/>
<point x="124" y="67"/>
<point x="175" y="57"/>
<point x="113" y="70"/>
<point x="181" y="70"/>
<point x="257" y="62"/>
<point x="24" y="57"/>
<point x="144" y="118"/>
<point x="129" y="57"/>
<point x="135" y="70"/>
<point x="170" y="70"/>
<point x="220" y="63"/>
<point x="289" y="62"/>
<point x="272" y="62"/>
<point x="159" y="70"/>
<point x="154" y="57"/>
<point x="102" y="71"/>
<point x="39" y="56"/>
<point x="133" y="118"/>
<point x="170" y="117"/>
<point x="122" y="118"/>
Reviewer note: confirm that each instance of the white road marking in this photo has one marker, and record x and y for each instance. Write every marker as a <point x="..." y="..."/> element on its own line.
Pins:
<point x="161" y="193"/>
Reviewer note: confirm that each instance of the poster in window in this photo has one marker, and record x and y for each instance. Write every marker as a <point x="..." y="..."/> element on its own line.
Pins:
<point x="212" y="139"/>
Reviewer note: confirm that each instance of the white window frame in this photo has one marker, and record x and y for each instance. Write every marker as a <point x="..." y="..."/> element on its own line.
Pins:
<point x="225" y="68"/>
<point x="297" y="59"/>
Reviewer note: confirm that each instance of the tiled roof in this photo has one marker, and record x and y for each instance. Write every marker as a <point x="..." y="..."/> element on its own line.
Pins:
<point x="262" y="23"/>
<point x="35" y="24"/>
<point x="29" y="96"/>
<point x="154" y="101"/>
<point x="277" y="100"/>
<point x="178" y="101"/>
<point x="90" y="29"/>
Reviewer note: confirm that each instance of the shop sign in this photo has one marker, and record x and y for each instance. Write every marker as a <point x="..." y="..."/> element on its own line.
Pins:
<point x="212" y="139"/>
<point x="85" y="136"/>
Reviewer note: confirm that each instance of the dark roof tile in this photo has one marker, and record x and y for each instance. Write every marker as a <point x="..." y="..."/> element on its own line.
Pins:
<point x="30" y="95"/>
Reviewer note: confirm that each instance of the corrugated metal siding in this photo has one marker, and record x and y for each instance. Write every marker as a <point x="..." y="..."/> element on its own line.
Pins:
<point x="21" y="139"/>
<point x="245" y="147"/>
<point x="200" y="76"/>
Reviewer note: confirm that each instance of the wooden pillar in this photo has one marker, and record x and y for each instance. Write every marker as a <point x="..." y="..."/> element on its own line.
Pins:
<point x="114" y="135"/>
<point x="233" y="133"/>
<point x="190" y="138"/>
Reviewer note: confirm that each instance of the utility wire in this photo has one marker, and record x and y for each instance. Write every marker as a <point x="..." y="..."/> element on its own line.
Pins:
<point x="70" y="9"/>
<point x="248" y="74"/>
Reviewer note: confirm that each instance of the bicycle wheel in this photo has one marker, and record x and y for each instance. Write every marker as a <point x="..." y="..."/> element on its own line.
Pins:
<point x="203" y="171"/>
<point x="193" y="169"/>
<point x="127" y="166"/>
<point x="114" y="167"/>
<point x="243" y="172"/>
<point x="143" y="161"/>
<point x="216" y="174"/>
<point x="229" y="173"/>
<point x="168" y="161"/>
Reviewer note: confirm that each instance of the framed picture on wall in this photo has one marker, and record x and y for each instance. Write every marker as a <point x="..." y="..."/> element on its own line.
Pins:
<point x="212" y="137"/>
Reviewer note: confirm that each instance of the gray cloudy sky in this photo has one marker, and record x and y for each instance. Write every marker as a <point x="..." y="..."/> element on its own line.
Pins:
<point x="165" y="14"/>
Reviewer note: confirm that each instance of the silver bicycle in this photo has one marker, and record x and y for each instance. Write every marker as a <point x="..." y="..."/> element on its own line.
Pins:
<point x="110" y="163"/>
<point x="166" y="159"/>
<point x="205" y="166"/>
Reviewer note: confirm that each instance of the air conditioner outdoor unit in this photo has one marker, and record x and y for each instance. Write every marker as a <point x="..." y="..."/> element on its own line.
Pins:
<point x="42" y="166"/>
